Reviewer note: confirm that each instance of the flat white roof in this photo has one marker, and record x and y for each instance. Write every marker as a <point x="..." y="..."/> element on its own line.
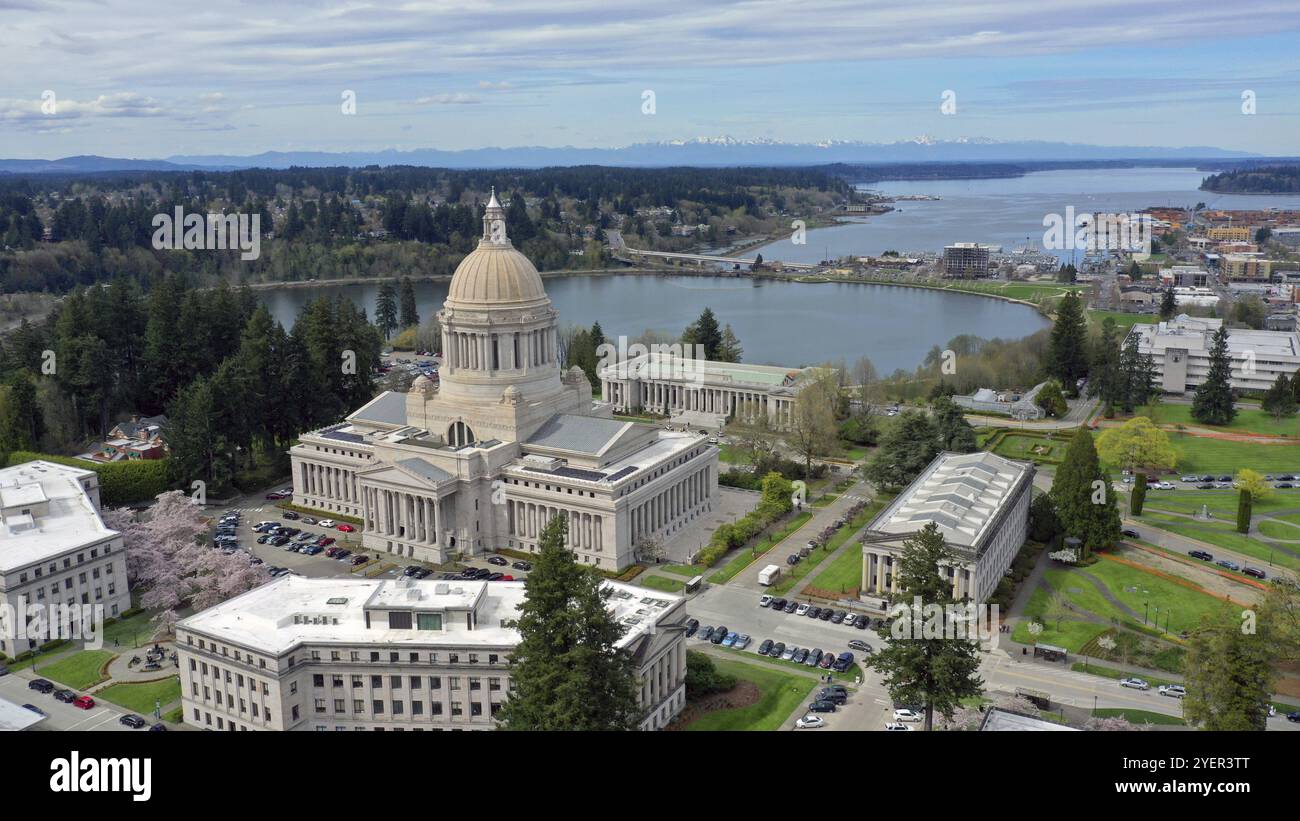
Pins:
<point x="1194" y="334"/>
<point x="71" y="520"/>
<point x="333" y="611"/>
<point x="16" y="717"/>
<point x="961" y="493"/>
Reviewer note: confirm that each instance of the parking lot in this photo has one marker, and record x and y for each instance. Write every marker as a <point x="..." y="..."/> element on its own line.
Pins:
<point x="59" y="716"/>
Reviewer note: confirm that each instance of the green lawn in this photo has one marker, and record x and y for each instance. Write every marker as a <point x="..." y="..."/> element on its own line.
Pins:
<point x="1248" y="420"/>
<point x="746" y="557"/>
<point x="1200" y="454"/>
<point x="1033" y="448"/>
<point x="690" y="571"/>
<point x="1139" y="716"/>
<point x="1280" y="530"/>
<point x="1221" y="503"/>
<point x="1142" y="592"/>
<point x="1123" y="321"/>
<point x="733" y="455"/>
<point x="823" y="500"/>
<point x="781" y="694"/>
<point x="843" y="574"/>
<point x="79" y="670"/>
<point x="140" y="698"/>
<point x="133" y="632"/>
<point x="661" y="583"/>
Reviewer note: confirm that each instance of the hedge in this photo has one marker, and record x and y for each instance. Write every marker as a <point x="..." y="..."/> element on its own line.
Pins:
<point x="120" y="483"/>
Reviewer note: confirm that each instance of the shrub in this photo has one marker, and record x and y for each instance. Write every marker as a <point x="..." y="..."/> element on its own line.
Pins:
<point x="703" y="678"/>
<point x="120" y="483"/>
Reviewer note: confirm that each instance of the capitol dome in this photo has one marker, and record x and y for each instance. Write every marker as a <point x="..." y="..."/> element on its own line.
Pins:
<point x="495" y="273"/>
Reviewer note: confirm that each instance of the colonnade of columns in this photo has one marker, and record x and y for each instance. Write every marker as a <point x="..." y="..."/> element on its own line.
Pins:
<point x="664" y="397"/>
<point x="408" y="517"/>
<point x="320" y="483"/>
<point x="515" y="350"/>
<point x="527" y="519"/>
<point x="669" y="506"/>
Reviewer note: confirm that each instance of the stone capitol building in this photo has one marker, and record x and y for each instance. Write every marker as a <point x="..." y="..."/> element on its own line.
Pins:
<point x="504" y="441"/>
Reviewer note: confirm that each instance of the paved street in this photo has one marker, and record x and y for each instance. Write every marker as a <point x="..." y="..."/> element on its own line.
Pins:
<point x="100" y="718"/>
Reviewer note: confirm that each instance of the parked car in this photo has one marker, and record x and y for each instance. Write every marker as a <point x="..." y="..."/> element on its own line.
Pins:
<point x="66" y="696"/>
<point x="801" y="610"/>
<point x="498" y="561"/>
<point x="360" y="558"/>
<point x="791" y="605"/>
<point x="850" y="619"/>
<point x="1255" y="572"/>
<point x="810" y="722"/>
<point x="741" y="642"/>
<point x="1200" y="554"/>
<point x="859" y="645"/>
<point x="765" y="647"/>
<point x="788" y="653"/>
<point x="777" y="650"/>
<point x="83" y="702"/>
<point x="1134" y="683"/>
<point x="827" y="661"/>
<point x="327" y="523"/>
<point x="764" y="601"/>
<point x="1131" y="533"/>
<point x="345" y="528"/>
<point x="822" y="707"/>
<point x="907" y="714"/>
<point x="41" y="712"/>
<point x="521" y="565"/>
<point x="311" y="549"/>
<point x="898" y="726"/>
<point x="862" y="623"/>
<point x="814" y="657"/>
<point x="843" y="663"/>
<point x="813" y="612"/>
<point x="41" y="685"/>
<point x="729" y="640"/>
<point x="308" y="520"/>
<point x="792" y="559"/>
<point x="289" y="514"/>
<point x="1294" y="716"/>
<point x="838" y="617"/>
<point x="1205" y="486"/>
<point x="1228" y="564"/>
<point x="1284" y="486"/>
<point x="134" y="722"/>
<point x="1172" y="690"/>
<point x="825" y="615"/>
<point x="834" y="696"/>
<point x="1190" y="479"/>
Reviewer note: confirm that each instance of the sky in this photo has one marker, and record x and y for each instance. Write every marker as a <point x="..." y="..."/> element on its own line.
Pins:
<point x="152" y="79"/>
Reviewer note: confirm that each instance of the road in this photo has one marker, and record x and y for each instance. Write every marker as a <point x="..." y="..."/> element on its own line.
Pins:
<point x="102" y="717"/>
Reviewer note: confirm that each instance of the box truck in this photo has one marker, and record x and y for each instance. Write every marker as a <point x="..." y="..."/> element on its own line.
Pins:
<point x="769" y="574"/>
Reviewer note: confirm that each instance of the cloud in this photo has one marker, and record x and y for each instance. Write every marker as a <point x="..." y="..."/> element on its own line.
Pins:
<point x="457" y="98"/>
<point x="52" y="108"/>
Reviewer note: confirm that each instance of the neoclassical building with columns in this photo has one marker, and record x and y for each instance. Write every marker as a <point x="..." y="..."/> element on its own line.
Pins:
<point x="504" y="441"/>
<point x="980" y="503"/>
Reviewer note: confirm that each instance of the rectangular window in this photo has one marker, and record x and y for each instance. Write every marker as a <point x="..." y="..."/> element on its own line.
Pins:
<point x="399" y="620"/>
<point x="428" y="621"/>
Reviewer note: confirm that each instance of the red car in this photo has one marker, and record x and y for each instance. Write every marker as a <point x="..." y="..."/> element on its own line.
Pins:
<point x="324" y="541"/>
<point x="84" y="702"/>
<point x="277" y="495"/>
<point x="346" y="528"/>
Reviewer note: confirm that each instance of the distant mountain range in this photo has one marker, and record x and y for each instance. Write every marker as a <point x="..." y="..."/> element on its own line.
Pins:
<point x="704" y="151"/>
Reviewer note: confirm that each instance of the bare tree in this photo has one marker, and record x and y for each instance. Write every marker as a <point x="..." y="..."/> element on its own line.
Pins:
<point x="812" y="428"/>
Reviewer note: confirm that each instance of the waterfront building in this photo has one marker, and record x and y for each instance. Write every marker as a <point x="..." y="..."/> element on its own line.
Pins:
<point x="1180" y="351"/>
<point x="965" y="260"/>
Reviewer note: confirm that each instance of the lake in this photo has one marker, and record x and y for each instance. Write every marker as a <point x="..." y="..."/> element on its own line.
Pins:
<point x="779" y="323"/>
<point x="1008" y="212"/>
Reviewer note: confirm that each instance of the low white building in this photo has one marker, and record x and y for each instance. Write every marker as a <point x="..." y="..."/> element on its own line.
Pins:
<point x="404" y="654"/>
<point x="979" y="501"/>
<point x="54" y="548"/>
<point x="987" y="400"/>
<point x="1180" y="350"/>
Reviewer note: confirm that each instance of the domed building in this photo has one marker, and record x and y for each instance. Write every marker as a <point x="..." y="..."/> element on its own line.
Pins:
<point x="504" y="440"/>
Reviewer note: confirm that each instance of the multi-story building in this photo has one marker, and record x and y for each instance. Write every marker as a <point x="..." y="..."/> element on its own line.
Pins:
<point x="1241" y="266"/>
<point x="503" y="441"/>
<point x="1180" y="351"/>
<point x="709" y="392"/>
<point x="1235" y="233"/>
<point x="980" y="503"/>
<point x="965" y="260"/>
<point x="404" y="654"/>
<point x="54" y="550"/>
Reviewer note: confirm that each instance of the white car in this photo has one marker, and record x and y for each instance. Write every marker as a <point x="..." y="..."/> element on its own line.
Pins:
<point x="1135" y="683"/>
<point x="904" y="714"/>
<point x="1192" y="479"/>
<point x="326" y="523"/>
<point x="810" y="722"/>
<point x="1172" y="690"/>
<point x="1165" y="485"/>
<point x="801" y="610"/>
<point x="898" y="727"/>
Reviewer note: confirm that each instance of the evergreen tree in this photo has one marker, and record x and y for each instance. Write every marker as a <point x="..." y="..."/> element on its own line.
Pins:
<point x="1106" y="380"/>
<point x="386" y="309"/>
<point x="21" y="426"/>
<point x="1213" y="402"/>
<point x="704" y="332"/>
<point x="410" y="317"/>
<point x="1067" y="349"/>
<point x="1051" y="400"/>
<point x="1168" y="304"/>
<point x="905" y="450"/>
<point x="1084" y="497"/>
<point x="937" y="672"/>
<point x="1229" y="673"/>
<point x="954" y="432"/>
<point x="729" y="349"/>
<point x="1280" y="399"/>
<point x="1138" y="377"/>
<point x="1138" y="497"/>
<point x="566" y="672"/>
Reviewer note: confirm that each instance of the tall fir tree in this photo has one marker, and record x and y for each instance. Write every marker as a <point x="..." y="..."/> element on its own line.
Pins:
<point x="939" y="672"/>
<point x="1279" y="400"/>
<point x="1067" y="347"/>
<point x="1168" y="304"/>
<point x="409" y="315"/>
<point x="1212" y="404"/>
<point x="705" y="333"/>
<point x="1229" y="673"/>
<point x="566" y="672"/>
<point x="386" y="309"/>
<point x="1084" y="497"/>
<point x="1106" y="380"/>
